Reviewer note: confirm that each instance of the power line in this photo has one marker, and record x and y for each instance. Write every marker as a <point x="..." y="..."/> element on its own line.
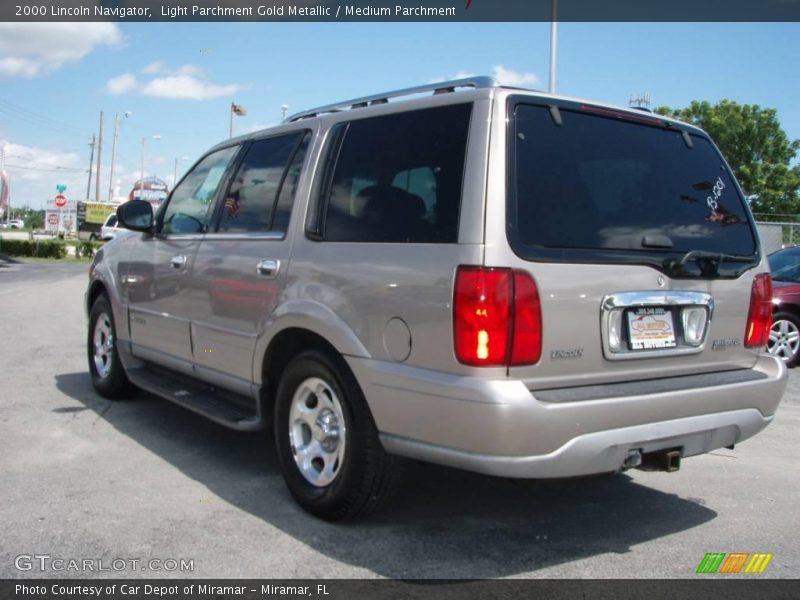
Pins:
<point x="53" y="169"/>
<point x="33" y="118"/>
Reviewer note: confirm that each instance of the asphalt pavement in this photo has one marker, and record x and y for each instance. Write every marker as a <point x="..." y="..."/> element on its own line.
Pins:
<point x="144" y="483"/>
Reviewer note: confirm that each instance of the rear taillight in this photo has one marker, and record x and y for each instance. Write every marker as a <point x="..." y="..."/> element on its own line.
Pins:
<point x="496" y="316"/>
<point x="526" y="347"/>
<point x="759" y="319"/>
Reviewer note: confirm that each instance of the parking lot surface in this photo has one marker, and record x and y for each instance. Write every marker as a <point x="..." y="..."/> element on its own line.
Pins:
<point x="144" y="480"/>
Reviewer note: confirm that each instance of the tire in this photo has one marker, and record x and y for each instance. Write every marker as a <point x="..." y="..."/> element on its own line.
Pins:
<point x="92" y="238"/>
<point x="327" y="442"/>
<point x="784" y="338"/>
<point x="108" y="374"/>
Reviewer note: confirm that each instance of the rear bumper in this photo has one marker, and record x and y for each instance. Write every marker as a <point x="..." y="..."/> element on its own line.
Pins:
<point x="500" y="427"/>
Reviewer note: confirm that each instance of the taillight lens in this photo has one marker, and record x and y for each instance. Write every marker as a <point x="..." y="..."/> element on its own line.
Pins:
<point x="496" y="317"/>
<point x="759" y="319"/>
<point x="527" y="340"/>
<point x="482" y="310"/>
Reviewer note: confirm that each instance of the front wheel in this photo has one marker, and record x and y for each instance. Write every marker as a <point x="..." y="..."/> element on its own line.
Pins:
<point x="784" y="338"/>
<point x="327" y="442"/>
<point x="108" y="374"/>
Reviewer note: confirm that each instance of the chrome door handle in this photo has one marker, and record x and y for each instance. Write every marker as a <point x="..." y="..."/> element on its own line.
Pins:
<point x="178" y="262"/>
<point x="269" y="268"/>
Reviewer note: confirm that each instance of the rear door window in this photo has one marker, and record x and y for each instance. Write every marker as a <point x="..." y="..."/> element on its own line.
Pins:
<point x="253" y="194"/>
<point x="397" y="178"/>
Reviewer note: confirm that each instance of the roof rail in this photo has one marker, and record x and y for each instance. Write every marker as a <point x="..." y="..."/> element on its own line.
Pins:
<point x="440" y="87"/>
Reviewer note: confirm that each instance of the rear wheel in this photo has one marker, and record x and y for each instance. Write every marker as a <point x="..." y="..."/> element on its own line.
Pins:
<point x="784" y="338"/>
<point x="326" y="440"/>
<point x="108" y="374"/>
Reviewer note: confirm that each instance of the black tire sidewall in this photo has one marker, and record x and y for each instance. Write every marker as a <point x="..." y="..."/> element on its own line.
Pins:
<point x="115" y="385"/>
<point x="329" y="502"/>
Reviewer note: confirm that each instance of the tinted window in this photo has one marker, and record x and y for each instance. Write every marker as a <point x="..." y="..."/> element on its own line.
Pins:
<point x="785" y="265"/>
<point x="398" y="178"/>
<point x="188" y="207"/>
<point x="250" y="201"/>
<point x="599" y="183"/>
<point x="283" y="205"/>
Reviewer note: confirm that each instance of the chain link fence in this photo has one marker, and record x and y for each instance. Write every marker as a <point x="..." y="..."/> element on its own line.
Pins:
<point x="778" y="231"/>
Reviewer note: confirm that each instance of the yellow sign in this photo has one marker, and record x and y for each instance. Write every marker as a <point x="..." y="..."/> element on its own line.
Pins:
<point x="97" y="212"/>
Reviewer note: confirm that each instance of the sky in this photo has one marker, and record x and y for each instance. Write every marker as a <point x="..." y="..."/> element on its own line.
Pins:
<point x="177" y="80"/>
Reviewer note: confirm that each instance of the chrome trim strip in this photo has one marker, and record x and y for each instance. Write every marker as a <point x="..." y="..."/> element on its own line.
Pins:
<point x="244" y="236"/>
<point x="623" y="300"/>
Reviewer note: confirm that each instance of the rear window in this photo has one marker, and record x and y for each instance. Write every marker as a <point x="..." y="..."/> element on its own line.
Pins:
<point x="586" y="187"/>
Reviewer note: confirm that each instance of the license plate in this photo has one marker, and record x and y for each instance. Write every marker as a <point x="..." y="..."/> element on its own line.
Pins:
<point x="650" y="329"/>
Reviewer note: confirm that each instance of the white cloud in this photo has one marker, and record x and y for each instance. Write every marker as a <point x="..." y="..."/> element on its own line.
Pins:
<point x="188" y="70"/>
<point x="459" y="75"/>
<point x="185" y="82"/>
<point x="122" y="84"/>
<point x="153" y="68"/>
<point x="504" y="76"/>
<point x="33" y="49"/>
<point x="514" y="78"/>
<point x="187" y="87"/>
<point x="34" y="172"/>
<point x="28" y="162"/>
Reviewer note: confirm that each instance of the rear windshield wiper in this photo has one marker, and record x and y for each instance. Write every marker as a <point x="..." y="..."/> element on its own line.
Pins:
<point x="709" y="262"/>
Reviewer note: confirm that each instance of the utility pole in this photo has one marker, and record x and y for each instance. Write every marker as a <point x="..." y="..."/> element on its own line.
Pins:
<point x="99" y="156"/>
<point x="553" y="46"/>
<point x="4" y="181"/>
<point x="91" y="163"/>
<point x="126" y="114"/>
<point x="113" y="156"/>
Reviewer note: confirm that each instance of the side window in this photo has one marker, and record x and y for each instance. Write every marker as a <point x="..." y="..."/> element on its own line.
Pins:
<point x="255" y="188"/>
<point x="283" y="205"/>
<point x="398" y="178"/>
<point x="188" y="207"/>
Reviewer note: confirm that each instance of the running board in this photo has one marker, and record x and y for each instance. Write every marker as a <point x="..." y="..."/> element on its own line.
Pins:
<point x="220" y="406"/>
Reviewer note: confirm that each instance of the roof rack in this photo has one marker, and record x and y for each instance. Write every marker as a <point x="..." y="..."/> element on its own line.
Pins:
<point x="440" y="87"/>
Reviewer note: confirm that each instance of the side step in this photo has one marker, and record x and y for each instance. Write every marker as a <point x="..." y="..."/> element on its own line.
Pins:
<point x="221" y="406"/>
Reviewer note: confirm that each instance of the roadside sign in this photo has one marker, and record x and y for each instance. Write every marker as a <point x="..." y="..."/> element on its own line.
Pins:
<point x="60" y="200"/>
<point x="52" y="219"/>
<point x="60" y="188"/>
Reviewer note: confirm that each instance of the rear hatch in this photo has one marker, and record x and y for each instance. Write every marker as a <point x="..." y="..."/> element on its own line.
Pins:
<point x="638" y="238"/>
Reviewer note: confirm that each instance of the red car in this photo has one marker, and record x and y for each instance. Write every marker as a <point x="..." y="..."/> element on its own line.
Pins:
<point x="784" y="339"/>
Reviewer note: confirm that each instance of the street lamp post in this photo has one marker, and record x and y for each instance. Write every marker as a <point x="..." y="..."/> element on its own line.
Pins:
<point x="4" y="182"/>
<point x="553" y="45"/>
<point x="175" y="171"/>
<point x="126" y="114"/>
<point x="236" y="109"/>
<point x="144" y="139"/>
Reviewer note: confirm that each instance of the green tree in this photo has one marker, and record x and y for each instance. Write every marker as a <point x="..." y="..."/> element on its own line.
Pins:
<point x="757" y="148"/>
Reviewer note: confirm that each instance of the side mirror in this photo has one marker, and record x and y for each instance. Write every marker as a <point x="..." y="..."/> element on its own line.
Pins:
<point x="136" y="215"/>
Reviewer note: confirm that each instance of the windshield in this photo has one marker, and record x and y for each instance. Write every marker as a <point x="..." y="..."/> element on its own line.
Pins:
<point x="586" y="186"/>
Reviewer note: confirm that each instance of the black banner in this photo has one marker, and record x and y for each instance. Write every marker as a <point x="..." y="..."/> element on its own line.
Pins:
<point x="395" y="10"/>
<point x="753" y="588"/>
